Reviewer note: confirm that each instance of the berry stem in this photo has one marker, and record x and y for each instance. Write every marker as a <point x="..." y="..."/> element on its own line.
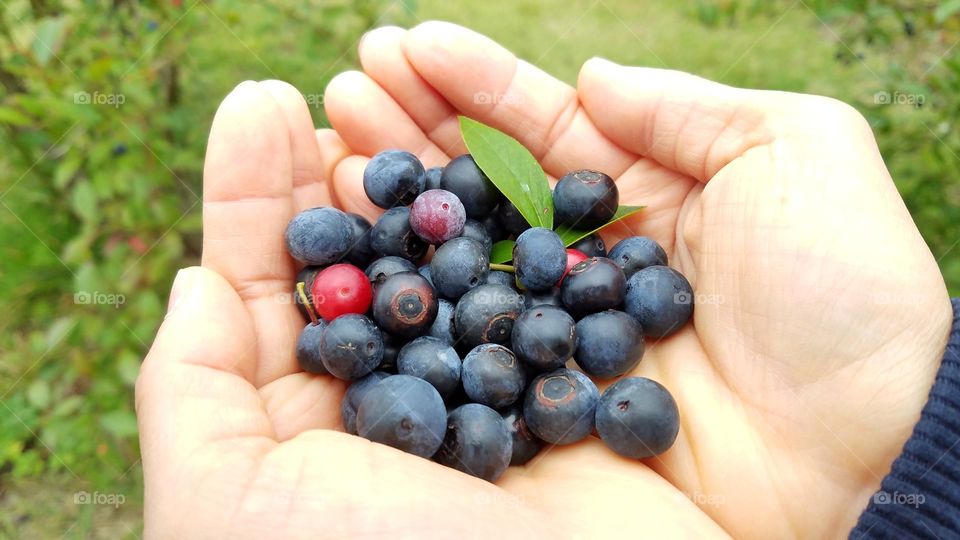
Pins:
<point x="306" y="302"/>
<point x="504" y="267"/>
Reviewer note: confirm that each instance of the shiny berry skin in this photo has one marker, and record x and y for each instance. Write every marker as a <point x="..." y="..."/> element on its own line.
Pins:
<point x="560" y="406"/>
<point x="511" y="218"/>
<point x="493" y="226"/>
<point x="434" y="361"/>
<point x="340" y="289"/>
<point x="526" y="445"/>
<point x="591" y="246"/>
<point x="404" y="304"/>
<point x="391" y="350"/>
<point x="442" y="327"/>
<point x="319" y="236"/>
<point x="463" y="178"/>
<point x="351" y="347"/>
<point x="539" y="258"/>
<point x="433" y="177"/>
<point x="585" y="199"/>
<point x="660" y="299"/>
<point x="392" y="235"/>
<point x="544" y="337"/>
<point x="542" y="298"/>
<point x="393" y="178"/>
<point x="437" y="216"/>
<point x="352" y="397"/>
<point x="424" y="270"/>
<point x="493" y="376"/>
<point x="593" y="285"/>
<point x="609" y="344"/>
<point x="385" y="267"/>
<point x="486" y="314"/>
<point x="458" y="266"/>
<point x="477" y="442"/>
<point x="500" y="277"/>
<point x="475" y="230"/>
<point x="404" y="412"/>
<point x="308" y="348"/>
<point x="574" y="256"/>
<point x="360" y="253"/>
<point x="636" y="253"/>
<point x="637" y="418"/>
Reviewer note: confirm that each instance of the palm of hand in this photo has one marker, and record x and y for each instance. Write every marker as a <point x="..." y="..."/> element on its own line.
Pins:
<point x="790" y="230"/>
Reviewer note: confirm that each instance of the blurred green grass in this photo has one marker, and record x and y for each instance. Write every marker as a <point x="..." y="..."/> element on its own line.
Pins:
<point x="104" y="199"/>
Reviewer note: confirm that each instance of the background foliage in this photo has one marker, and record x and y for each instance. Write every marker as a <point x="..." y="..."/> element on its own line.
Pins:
<point x="105" y="106"/>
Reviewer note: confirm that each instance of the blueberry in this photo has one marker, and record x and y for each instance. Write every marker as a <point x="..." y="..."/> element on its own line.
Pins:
<point x="511" y="218"/>
<point x="475" y="230"/>
<point x="306" y="275"/>
<point x="458" y="266"/>
<point x="404" y="412"/>
<point x="404" y="304"/>
<point x="486" y="314"/>
<point x="464" y="179"/>
<point x="352" y="397"/>
<point x="434" y="361"/>
<point x="308" y="348"/>
<point x="636" y="253"/>
<point x="437" y="216"/>
<point x="385" y="267"/>
<point x="585" y="199"/>
<point x="542" y="298"/>
<point x="391" y="349"/>
<point x="609" y="344"/>
<point x="526" y="445"/>
<point x="424" y="271"/>
<point x="544" y="337"/>
<point x="539" y="258"/>
<point x="593" y="285"/>
<point x="560" y="406"/>
<point x="499" y="277"/>
<point x="433" y="177"/>
<point x="393" y="178"/>
<point x="491" y="222"/>
<point x="661" y="300"/>
<point x="360" y="253"/>
<point x="442" y="327"/>
<point x="493" y="376"/>
<point x="351" y="347"/>
<point x="392" y="235"/>
<point x="319" y="236"/>
<point x="477" y="442"/>
<point x="637" y="418"/>
<point x="591" y="245"/>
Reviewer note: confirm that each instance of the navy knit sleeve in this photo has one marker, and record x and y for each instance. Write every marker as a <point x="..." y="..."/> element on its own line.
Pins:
<point x="920" y="498"/>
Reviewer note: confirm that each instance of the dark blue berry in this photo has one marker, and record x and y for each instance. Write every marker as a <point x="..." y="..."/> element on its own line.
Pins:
<point x="385" y="267"/>
<point x="404" y="412"/>
<point x="499" y="277"/>
<point x="464" y="179"/>
<point x="637" y="418"/>
<point x="392" y="235"/>
<point x="661" y="300"/>
<point x="486" y="314"/>
<point x="404" y="304"/>
<point x="593" y="285"/>
<point x="433" y="178"/>
<point x="636" y="253"/>
<point x="493" y="376"/>
<point x="591" y="245"/>
<point x="539" y="258"/>
<point x="360" y="253"/>
<point x="393" y="178"/>
<point x="477" y="442"/>
<point x="434" y="361"/>
<point x="319" y="236"/>
<point x="585" y="199"/>
<point x="560" y="406"/>
<point x="352" y="397"/>
<point x="475" y="230"/>
<point x="526" y="445"/>
<point x="549" y="297"/>
<point x="609" y="344"/>
<point x="424" y="271"/>
<point x="511" y="218"/>
<point x="544" y="337"/>
<point x="351" y="346"/>
<point x="458" y="266"/>
<point x="442" y="327"/>
<point x="308" y="348"/>
<point x="493" y="226"/>
<point x="391" y="349"/>
<point x="306" y="275"/>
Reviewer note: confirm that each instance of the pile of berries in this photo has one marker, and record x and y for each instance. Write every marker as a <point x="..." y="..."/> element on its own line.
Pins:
<point x="466" y="364"/>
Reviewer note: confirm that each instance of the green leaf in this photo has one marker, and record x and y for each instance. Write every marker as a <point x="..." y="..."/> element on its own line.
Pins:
<point x="513" y="169"/>
<point x="502" y="252"/>
<point x="120" y="423"/>
<point x="85" y="201"/>
<point x="946" y="10"/>
<point x="49" y="39"/>
<point x="570" y="236"/>
<point x="38" y="394"/>
<point x="14" y="117"/>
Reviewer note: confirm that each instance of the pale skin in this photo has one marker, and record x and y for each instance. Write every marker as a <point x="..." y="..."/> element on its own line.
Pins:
<point x="820" y="322"/>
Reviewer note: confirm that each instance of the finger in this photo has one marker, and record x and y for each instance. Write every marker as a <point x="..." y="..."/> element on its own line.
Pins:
<point x="332" y="151"/>
<point x="310" y="187"/>
<point x="348" y="185"/>
<point x="686" y="123"/>
<point x="301" y="402"/>
<point x="484" y="81"/>
<point x="247" y="190"/>
<point x="370" y="121"/>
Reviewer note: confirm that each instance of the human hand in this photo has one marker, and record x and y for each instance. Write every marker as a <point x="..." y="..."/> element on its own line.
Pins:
<point x="820" y="322"/>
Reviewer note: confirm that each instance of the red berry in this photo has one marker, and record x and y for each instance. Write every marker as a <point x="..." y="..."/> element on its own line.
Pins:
<point x="573" y="257"/>
<point x="437" y="216"/>
<point x="341" y="289"/>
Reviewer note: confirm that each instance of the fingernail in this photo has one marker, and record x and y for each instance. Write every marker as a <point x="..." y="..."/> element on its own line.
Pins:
<point x="180" y="288"/>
